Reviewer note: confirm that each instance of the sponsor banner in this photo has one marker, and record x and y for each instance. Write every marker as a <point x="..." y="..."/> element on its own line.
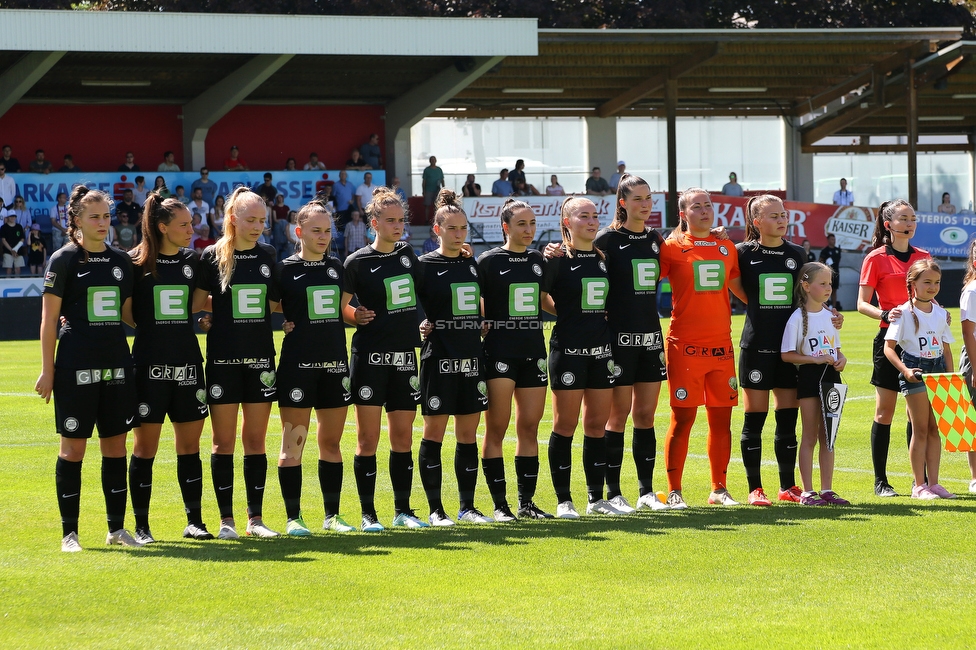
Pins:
<point x="21" y="287"/>
<point x="954" y="415"/>
<point x="40" y="191"/>
<point x="945" y="235"/>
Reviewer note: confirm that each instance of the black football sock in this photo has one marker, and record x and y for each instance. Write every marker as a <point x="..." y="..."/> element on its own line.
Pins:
<point x="561" y="465"/>
<point x="466" y="470"/>
<point x="401" y="477"/>
<point x="290" y="480"/>
<point x="140" y="488"/>
<point x="527" y="476"/>
<point x="494" y="469"/>
<point x="189" y="473"/>
<point x="431" y="474"/>
<point x="222" y="474"/>
<point x="750" y="444"/>
<point x="330" y="482"/>
<point x="645" y="452"/>
<point x="114" y="488"/>
<point x="615" y="458"/>
<point x="255" y="476"/>
<point x="785" y="444"/>
<point x="880" y="439"/>
<point x="364" y="467"/>
<point x="594" y="466"/>
<point x="67" y="480"/>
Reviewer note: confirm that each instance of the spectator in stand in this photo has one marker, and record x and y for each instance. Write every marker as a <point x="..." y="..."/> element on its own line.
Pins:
<point x="128" y="207"/>
<point x="470" y="188"/>
<point x="267" y="190"/>
<point x="370" y="151"/>
<point x="732" y="188"/>
<point x="11" y="163"/>
<point x="69" y="165"/>
<point x="518" y="174"/>
<point x="356" y="161"/>
<point x="168" y="164"/>
<point x="8" y="188"/>
<point x="314" y="164"/>
<point x="364" y="193"/>
<point x="946" y="206"/>
<point x="125" y="233"/>
<point x="39" y="165"/>
<point x="344" y="194"/>
<point x="554" y="188"/>
<point x="843" y="196"/>
<point x="325" y="197"/>
<point x="355" y="233"/>
<point x="615" y="178"/>
<point x="36" y="255"/>
<point x="432" y="182"/>
<point x="294" y="243"/>
<point x="14" y="239"/>
<point x="204" y="240"/>
<point x="279" y="233"/>
<point x="235" y="163"/>
<point x="279" y="209"/>
<point x="181" y="195"/>
<point x="830" y="255"/>
<point x="43" y="221"/>
<point x="59" y="222"/>
<point x="519" y="188"/>
<point x="130" y="163"/>
<point x="596" y="186"/>
<point x="22" y="213"/>
<point x="432" y="243"/>
<point x="217" y="217"/>
<point x="140" y="191"/>
<point x="395" y="186"/>
<point x="502" y="186"/>
<point x="160" y="188"/>
<point x="207" y="187"/>
<point x="198" y="206"/>
<point x="290" y="165"/>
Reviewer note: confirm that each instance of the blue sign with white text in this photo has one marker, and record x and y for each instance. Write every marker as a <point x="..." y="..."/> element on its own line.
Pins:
<point x="945" y="235"/>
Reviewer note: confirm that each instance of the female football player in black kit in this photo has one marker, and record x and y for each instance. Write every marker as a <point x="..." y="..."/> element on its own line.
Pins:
<point x="632" y="252"/>
<point x="452" y="376"/>
<point x="169" y="366"/>
<point x="515" y="357"/>
<point x="384" y="358"/>
<point x="580" y="357"/>
<point x="236" y="273"/>
<point x="313" y="371"/>
<point x="90" y="285"/>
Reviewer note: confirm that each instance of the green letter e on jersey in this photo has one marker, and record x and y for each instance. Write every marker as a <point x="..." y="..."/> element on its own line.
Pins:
<point x="250" y="300"/>
<point x="709" y="275"/>
<point x="523" y="299"/>
<point x="594" y="297"/>
<point x="776" y="289"/>
<point x="171" y="302"/>
<point x="645" y="275"/>
<point x="104" y="304"/>
<point x="323" y="302"/>
<point x="465" y="298"/>
<point x="399" y="292"/>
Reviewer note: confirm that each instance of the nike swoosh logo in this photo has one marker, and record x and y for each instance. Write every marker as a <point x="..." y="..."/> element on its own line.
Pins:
<point x="470" y="469"/>
<point x="504" y="272"/>
<point x="371" y="474"/>
<point x="499" y="480"/>
<point x="623" y="246"/>
<point x="68" y="496"/>
<point x="567" y="467"/>
<point x="440" y="273"/>
<point x="129" y="421"/>
<point x="573" y="268"/>
<point x="194" y="480"/>
<point x="793" y="447"/>
<point x="114" y="491"/>
<point x="599" y="464"/>
<point x="613" y="466"/>
<point x="81" y="275"/>
<point x="143" y="485"/>
<point x="225" y="488"/>
<point x="531" y="475"/>
<point x="647" y="460"/>
<point x="433" y="466"/>
<point x="375" y="270"/>
<point x="686" y="250"/>
<point x="299" y="276"/>
<point x="258" y="487"/>
<point x="755" y="262"/>
<point x="752" y="448"/>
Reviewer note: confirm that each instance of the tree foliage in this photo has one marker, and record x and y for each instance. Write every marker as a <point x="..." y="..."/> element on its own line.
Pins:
<point x="617" y="14"/>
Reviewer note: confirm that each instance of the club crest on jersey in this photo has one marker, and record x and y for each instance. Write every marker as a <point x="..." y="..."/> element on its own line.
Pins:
<point x="434" y="402"/>
<point x="501" y="367"/>
<point x="568" y="379"/>
<point x="723" y="250"/>
<point x="614" y="369"/>
<point x="681" y="394"/>
<point x="791" y="263"/>
<point x="537" y="269"/>
<point x="216" y="391"/>
<point x="405" y="261"/>
<point x="473" y="270"/>
<point x="71" y="424"/>
<point x="116" y="273"/>
<point x="143" y="410"/>
<point x="654" y="247"/>
<point x="265" y="271"/>
<point x="333" y="273"/>
<point x="603" y="266"/>
<point x="187" y="272"/>
<point x="365" y="392"/>
<point x="755" y="376"/>
<point x="296" y="394"/>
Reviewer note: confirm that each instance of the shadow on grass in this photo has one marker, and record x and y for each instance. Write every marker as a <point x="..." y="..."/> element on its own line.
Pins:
<point x="585" y="530"/>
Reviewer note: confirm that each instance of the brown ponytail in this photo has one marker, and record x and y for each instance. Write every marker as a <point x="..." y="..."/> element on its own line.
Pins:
<point x="446" y="204"/>
<point x="81" y="196"/>
<point x="882" y="236"/>
<point x="625" y="187"/>
<point x="509" y="208"/>
<point x="157" y="210"/>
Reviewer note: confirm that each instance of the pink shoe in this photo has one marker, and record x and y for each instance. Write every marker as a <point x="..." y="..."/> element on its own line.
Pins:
<point x="833" y="498"/>
<point x="811" y="499"/>
<point x="942" y="492"/>
<point x="924" y="493"/>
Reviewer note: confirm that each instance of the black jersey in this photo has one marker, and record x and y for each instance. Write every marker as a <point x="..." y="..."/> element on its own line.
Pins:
<point x="768" y="277"/>
<point x="311" y="297"/>
<point x="578" y="286"/>
<point x="513" y="297"/>
<point x="384" y="283"/>
<point x="241" y="315"/>
<point x="92" y="293"/>
<point x="634" y="268"/>
<point x="449" y="288"/>
<point x="161" y="309"/>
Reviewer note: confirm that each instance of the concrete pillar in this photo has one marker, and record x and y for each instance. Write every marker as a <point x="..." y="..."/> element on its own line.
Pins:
<point x="21" y="76"/>
<point x="419" y="102"/>
<point x="601" y="145"/>
<point x="799" y="167"/>
<point x="203" y="112"/>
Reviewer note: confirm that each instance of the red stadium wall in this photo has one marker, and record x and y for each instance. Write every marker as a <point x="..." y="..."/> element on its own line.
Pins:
<point x="98" y="136"/>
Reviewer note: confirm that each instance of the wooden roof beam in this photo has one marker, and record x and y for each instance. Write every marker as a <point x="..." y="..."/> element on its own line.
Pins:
<point x="655" y="83"/>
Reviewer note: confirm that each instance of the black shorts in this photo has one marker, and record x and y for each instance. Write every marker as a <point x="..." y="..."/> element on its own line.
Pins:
<point x="177" y="391"/>
<point x="88" y="398"/>
<point x="638" y="358"/>
<point x="884" y="374"/>
<point x="323" y="385"/>
<point x="576" y="372"/>
<point x="386" y="379"/>
<point x="241" y="381"/>
<point x="453" y="386"/>
<point x="765" y="370"/>
<point x="809" y="376"/>
<point x="526" y="372"/>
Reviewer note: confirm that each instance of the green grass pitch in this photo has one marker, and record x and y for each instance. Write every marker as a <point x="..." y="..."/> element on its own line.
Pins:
<point x="892" y="574"/>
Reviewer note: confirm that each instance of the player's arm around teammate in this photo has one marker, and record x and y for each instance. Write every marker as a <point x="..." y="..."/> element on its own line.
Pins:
<point x="90" y="374"/>
<point x="169" y="366"/>
<point x="384" y="359"/>
<point x="580" y="358"/>
<point x="515" y="357"/>
<point x="236" y="274"/>
<point x="313" y="371"/>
